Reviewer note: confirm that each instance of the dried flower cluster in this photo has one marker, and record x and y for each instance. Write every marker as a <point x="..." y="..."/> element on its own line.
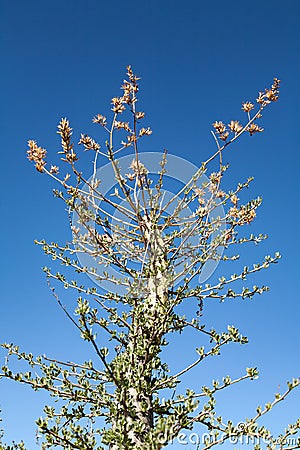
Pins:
<point x="123" y="125"/>
<point x="101" y="120"/>
<point x="130" y="89"/>
<point x="118" y="104"/>
<point x="37" y="155"/>
<point x="145" y="131"/>
<point x="243" y="214"/>
<point x="220" y="128"/>
<point x="254" y="128"/>
<point x="54" y="169"/>
<point x="139" y="172"/>
<point x="65" y="132"/>
<point x="235" y="126"/>
<point x="264" y="98"/>
<point x="247" y="106"/>
<point x="270" y="95"/>
<point x="88" y="142"/>
<point x="129" y="98"/>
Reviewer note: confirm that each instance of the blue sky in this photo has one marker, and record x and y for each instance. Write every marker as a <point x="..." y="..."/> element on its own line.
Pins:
<point x="198" y="62"/>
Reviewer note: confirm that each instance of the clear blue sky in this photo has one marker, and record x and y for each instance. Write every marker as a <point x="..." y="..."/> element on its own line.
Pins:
<point x="198" y="61"/>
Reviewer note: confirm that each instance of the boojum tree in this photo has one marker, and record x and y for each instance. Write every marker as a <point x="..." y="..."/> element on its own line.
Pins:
<point x="145" y="253"/>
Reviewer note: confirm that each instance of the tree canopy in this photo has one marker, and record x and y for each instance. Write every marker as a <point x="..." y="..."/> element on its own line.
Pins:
<point x="139" y="255"/>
